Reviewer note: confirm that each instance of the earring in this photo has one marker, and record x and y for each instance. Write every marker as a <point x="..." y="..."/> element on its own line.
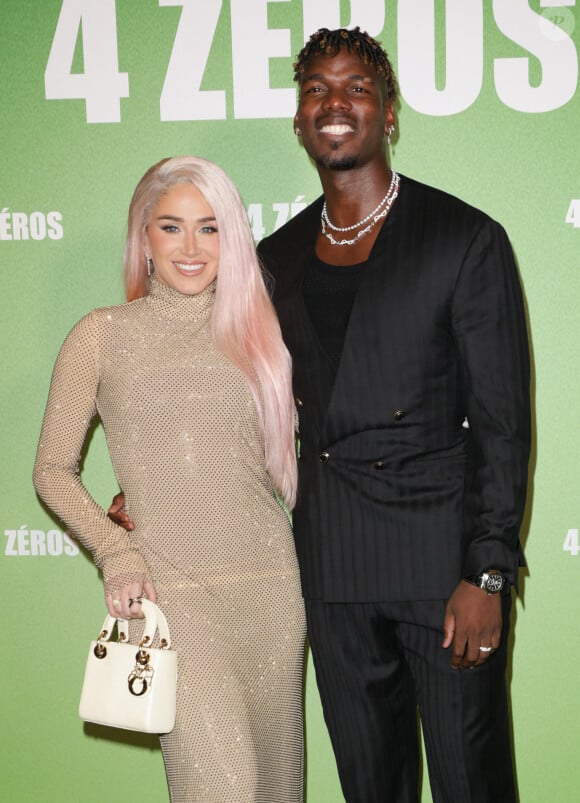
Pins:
<point x="149" y="267"/>
<point x="390" y="130"/>
<point x="298" y="132"/>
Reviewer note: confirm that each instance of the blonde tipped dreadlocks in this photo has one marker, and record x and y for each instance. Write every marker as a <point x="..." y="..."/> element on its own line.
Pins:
<point x="328" y="43"/>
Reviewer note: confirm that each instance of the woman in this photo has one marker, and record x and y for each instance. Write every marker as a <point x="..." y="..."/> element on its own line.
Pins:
<point x="192" y="382"/>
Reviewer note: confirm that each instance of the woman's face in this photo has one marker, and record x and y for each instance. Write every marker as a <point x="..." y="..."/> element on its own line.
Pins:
<point x="183" y="241"/>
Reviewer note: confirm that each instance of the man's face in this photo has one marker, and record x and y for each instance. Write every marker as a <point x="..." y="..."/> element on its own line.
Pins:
<point x="342" y="113"/>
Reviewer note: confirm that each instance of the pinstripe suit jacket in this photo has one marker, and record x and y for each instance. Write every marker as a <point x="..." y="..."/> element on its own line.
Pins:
<point x="398" y="499"/>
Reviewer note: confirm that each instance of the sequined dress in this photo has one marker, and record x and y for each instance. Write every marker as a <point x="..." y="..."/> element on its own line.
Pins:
<point x="183" y="434"/>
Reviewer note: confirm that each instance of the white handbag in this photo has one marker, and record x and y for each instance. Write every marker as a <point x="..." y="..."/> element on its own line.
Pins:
<point x="129" y="686"/>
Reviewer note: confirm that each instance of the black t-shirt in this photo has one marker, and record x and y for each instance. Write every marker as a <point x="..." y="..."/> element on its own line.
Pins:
<point x="329" y="292"/>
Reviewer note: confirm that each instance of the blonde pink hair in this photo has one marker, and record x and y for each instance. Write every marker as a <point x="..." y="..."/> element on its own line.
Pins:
<point x="243" y="321"/>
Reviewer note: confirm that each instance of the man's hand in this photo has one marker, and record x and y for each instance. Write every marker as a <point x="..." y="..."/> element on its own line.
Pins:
<point x="117" y="512"/>
<point x="472" y="620"/>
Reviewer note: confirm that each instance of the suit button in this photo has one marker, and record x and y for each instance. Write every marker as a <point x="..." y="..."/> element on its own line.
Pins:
<point x="299" y="402"/>
<point x="379" y="465"/>
<point x="323" y="457"/>
<point x="399" y="414"/>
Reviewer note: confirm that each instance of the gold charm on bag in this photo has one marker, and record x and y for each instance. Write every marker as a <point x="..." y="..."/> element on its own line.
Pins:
<point x="141" y="677"/>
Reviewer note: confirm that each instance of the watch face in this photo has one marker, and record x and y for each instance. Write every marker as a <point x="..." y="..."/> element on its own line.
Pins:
<point x="494" y="582"/>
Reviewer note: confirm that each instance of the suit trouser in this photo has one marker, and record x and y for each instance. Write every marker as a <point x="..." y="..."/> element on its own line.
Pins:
<point x="375" y="663"/>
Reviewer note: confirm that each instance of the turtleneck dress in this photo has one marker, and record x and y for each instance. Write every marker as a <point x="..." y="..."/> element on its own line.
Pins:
<point x="184" y="437"/>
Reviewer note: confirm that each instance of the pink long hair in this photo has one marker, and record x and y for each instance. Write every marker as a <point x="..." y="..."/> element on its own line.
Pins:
<point x="243" y="321"/>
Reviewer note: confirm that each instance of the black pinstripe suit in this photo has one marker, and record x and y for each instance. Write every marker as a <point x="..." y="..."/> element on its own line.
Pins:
<point x="397" y="499"/>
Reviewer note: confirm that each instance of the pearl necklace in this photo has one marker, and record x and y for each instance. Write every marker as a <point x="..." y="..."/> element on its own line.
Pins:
<point x="376" y="215"/>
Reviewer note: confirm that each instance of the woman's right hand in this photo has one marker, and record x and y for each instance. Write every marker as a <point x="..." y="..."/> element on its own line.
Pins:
<point x="124" y="602"/>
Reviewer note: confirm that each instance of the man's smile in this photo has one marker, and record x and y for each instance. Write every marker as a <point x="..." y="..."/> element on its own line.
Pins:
<point x="337" y="129"/>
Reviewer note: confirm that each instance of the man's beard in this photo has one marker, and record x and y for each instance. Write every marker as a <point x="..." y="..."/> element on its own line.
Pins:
<point x="332" y="161"/>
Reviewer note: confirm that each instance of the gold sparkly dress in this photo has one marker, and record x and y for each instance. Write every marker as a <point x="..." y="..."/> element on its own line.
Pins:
<point x="184" y="437"/>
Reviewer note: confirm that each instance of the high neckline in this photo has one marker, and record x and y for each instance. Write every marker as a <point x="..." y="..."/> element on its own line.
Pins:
<point x="170" y="303"/>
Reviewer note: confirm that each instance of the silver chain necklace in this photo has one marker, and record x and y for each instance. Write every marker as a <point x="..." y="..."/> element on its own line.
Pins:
<point x="376" y="215"/>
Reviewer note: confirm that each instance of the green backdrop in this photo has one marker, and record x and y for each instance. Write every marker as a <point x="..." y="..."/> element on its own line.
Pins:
<point x="95" y="91"/>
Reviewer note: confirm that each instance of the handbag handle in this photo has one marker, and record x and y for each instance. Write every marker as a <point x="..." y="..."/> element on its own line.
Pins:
<point x="154" y="620"/>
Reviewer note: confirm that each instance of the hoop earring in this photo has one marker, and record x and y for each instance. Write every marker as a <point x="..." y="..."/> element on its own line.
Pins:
<point x="150" y="267"/>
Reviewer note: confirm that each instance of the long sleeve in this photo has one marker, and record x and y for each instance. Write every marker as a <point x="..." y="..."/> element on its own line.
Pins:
<point x="72" y="404"/>
<point x="490" y="332"/>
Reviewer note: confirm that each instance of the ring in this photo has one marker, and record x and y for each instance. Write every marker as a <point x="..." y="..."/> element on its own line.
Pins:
<point x="485" y="649"/>
<point x="138" y="599"/>
<point x="116" y="602"/>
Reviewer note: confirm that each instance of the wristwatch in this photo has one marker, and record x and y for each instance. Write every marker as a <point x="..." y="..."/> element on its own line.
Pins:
<point x="491" y="581"/>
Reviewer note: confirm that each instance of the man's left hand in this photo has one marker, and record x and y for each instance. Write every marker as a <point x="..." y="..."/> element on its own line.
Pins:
<point x="472" y="621"/>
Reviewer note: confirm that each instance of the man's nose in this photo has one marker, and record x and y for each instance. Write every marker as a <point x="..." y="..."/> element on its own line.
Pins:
<point x="336" y="99"/>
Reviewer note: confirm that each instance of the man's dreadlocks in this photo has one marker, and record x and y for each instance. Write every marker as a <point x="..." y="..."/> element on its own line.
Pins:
<point x="328" y="43"/>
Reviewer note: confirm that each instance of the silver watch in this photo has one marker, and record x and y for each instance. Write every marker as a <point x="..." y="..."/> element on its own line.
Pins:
<point x="491" y="581"/>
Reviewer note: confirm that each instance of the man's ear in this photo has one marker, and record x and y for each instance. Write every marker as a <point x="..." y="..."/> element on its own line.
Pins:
<point x="389" y="115"/>
<point x="297" y="130"/>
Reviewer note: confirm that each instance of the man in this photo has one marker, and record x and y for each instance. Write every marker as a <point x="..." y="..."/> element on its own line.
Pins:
<point x="402" y="309"/>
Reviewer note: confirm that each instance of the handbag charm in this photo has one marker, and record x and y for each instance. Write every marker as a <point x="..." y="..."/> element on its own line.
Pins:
<point x="141" y="677"/>
<point x="131" y="686"/>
